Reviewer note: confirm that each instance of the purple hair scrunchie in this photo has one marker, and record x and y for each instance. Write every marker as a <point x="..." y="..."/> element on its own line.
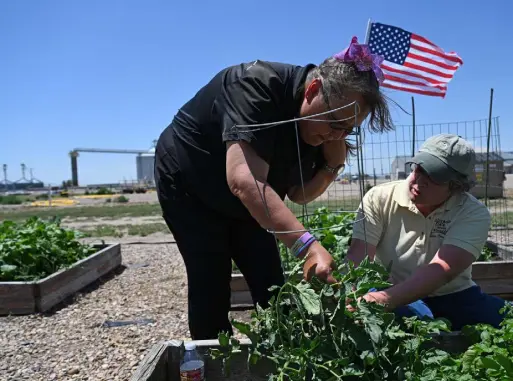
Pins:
<point x="361" y="56"/>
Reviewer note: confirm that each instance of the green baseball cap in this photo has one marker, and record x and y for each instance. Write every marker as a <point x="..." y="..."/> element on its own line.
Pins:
<point x="446" y="157"/>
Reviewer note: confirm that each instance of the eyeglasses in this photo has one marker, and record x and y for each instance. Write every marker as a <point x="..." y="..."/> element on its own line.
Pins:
<point x="335" y="124"/>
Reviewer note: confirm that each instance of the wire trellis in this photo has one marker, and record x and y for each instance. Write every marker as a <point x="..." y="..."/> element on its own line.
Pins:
<point x="356" y="132"/>
<point x="385" y="160"/>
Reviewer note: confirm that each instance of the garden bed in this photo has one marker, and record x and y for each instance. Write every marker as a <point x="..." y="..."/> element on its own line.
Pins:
<point x="315" y="331"/>
<point x="20" y="298"/>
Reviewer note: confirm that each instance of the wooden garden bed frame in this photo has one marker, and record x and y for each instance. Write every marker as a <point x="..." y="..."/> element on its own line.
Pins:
<point x="494" y="277"/>
<point x="21" y="298"/>
<point x="162" y="362"/>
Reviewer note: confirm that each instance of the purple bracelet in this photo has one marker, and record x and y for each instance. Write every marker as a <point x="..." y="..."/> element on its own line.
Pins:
<point x="302" y="243"/>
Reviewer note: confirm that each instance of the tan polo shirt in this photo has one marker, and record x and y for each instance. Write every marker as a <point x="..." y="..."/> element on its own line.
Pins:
<point x="408" y="240"/>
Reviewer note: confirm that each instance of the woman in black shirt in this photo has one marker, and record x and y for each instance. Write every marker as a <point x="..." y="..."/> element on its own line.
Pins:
<point x="222" y="182"/>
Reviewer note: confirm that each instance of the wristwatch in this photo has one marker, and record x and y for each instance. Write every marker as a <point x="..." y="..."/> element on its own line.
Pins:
<point x="338" y="169"/>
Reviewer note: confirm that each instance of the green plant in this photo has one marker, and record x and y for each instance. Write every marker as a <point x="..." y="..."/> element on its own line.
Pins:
<point x="486" y="255"/>
<point x="35" y="249"/>
<point x="332" y="229"/>
<point x="11" y="200"/>
<point x="308" y="333"/>
<point x="121" y="199"/>
<point x="491" y="355"/>
<point x="103" y="191"/>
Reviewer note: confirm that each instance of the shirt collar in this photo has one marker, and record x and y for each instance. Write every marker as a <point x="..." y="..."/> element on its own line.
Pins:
<point x="298" y="85"/>
<point x="401" y="194"/>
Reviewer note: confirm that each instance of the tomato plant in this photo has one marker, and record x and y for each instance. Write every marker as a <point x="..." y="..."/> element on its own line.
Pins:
<point x="308" y="332"/>
<point x="34" y="249"/>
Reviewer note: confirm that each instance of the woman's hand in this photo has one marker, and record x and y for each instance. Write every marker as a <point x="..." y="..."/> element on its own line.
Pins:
<point x="335" y="152"/>
<point x="379" y="297"/>
<point x="319" y="263"/>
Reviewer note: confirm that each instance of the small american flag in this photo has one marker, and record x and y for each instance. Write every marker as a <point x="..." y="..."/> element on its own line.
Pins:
<point x="412" y="62"/>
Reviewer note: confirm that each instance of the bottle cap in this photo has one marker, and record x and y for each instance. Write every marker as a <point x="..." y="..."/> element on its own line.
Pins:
<point x="190" y="346"/>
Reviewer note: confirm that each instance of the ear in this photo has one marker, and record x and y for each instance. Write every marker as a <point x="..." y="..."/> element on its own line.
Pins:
<point x="313" y="89"/>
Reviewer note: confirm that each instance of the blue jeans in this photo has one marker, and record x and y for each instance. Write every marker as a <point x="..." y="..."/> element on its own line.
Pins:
<point x="468" y="307"/>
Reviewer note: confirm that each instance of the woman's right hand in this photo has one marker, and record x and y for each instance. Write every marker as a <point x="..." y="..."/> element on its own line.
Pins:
<point x="319" y="263"/>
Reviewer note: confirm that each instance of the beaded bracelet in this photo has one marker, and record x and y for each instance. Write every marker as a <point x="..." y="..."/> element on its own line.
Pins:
<point x="302" y="243"/>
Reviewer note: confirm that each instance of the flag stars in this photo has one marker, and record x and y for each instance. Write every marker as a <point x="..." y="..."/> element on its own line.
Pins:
<point x="392" y="43"/>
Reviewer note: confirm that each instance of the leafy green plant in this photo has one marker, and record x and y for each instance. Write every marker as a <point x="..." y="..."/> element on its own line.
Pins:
<point x="121" y="199"/>
<point x="103" y="191"/>
<point x="491" y="355"/>
<point x="34" y="249"/>
<point x="486" y="255"/>
<point x="11" y="200"/>
<point x="333" y="230"/>
<point x="308" y="332"/>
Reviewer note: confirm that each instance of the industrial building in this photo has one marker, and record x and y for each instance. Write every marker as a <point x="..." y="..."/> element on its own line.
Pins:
<point x="144" y="163"/>
<point x="399" y="169"/>
<point x="22" y="184"/>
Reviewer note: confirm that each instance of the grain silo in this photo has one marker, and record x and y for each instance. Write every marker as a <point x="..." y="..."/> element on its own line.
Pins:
<point x="145" y="164"/>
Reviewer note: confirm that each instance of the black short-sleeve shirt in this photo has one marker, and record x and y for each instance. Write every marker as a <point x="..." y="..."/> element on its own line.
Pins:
<point x="193" y="146"/>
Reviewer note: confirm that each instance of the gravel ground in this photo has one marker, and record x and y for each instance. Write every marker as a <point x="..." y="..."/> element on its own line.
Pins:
<point x="71" y="343"/>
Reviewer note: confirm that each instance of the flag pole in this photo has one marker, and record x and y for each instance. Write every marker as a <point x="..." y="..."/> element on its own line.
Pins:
<point x="413" y="126"/>
<point x="488" y="146"/>
<point x="367" y="32"/>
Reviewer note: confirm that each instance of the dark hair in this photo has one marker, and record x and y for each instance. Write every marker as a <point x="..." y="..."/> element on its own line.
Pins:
<point x="339" y="78"/>
<point x="463" y="184"/>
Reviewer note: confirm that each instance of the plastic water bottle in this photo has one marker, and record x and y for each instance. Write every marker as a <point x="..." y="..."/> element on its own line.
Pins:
<point x="192" y="367"/>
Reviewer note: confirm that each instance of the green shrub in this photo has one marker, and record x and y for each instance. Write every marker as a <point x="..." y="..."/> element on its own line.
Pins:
<point x="11" y="200"/>
<point x="34" y="249"/>
<point x="121" y="199"/>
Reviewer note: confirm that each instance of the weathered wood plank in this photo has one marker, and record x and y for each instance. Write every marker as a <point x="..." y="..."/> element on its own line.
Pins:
<point x="20" y="298"/>
<point x="57" y="287"/>
<point x="240" y="299"/>
<point x="153" y="367"/>
<point x="175" y="351"/>
<point x="17" y="298"/>
<point x="492" y="270"/>
<point x="238" y="282"/>
<point x="452" y="342"/>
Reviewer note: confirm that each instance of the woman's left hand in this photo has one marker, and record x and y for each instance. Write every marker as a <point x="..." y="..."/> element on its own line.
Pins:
<point x="334" y="152"/>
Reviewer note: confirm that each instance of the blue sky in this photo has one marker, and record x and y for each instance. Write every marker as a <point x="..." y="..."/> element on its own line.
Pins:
<point x="112" y="73"/>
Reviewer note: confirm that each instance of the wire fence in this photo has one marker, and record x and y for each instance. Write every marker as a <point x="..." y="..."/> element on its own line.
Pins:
<point x="385" y="156"/>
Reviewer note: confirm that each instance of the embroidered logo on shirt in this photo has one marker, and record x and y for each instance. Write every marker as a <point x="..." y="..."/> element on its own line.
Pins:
<point x="440" y="227"/>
